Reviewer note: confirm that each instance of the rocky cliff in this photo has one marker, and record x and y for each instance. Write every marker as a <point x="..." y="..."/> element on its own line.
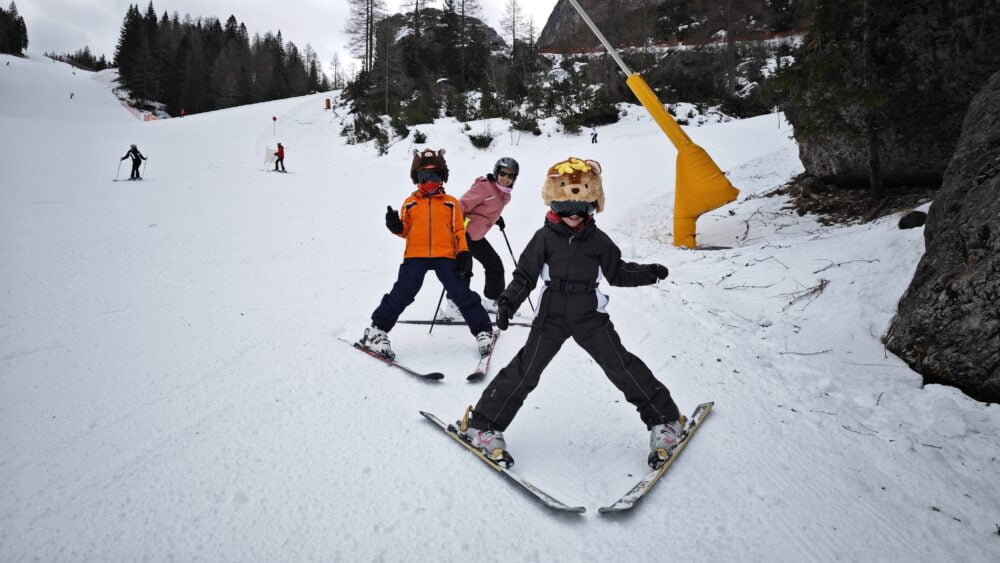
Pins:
<point x="619" y="20"/>
<point x="948" y="323"/>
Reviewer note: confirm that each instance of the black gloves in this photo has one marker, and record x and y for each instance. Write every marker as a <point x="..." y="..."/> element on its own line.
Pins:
<point x="392" y="221"/>
<point x="500" y="223"/>
<point x="658" y="270"/>
<point x="504" y="313"/>
<point x="464" y="264"/>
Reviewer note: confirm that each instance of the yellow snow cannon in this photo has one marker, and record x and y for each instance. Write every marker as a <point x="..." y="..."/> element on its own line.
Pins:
<point x="700" y="185"/>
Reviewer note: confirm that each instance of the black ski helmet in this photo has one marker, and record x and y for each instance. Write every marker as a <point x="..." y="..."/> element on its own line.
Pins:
<point x="506" y="162"/>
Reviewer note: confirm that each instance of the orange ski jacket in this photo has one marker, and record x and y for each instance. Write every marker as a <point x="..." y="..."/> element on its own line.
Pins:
<point x="433" y="226"/>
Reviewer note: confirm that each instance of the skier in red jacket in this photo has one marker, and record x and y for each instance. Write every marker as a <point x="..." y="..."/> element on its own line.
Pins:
<point x="281" y="158"/>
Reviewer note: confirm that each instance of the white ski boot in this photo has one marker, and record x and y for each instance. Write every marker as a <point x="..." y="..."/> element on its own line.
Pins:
<point x="376" y="340"/>
<point x="490" y="442"/>
<point x="448" y="312"/>
<point x="484" y="340"/>
<point x="662" y="439"/>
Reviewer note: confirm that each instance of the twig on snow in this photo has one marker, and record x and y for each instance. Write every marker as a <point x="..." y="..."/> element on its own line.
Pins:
<point x="846" y="427"/>
<point x="773" y="258"/>
<point x="786" y="353"/>
<point x="745" y="286"/>
<point x="807" y="295"/>
<point x="839" y="264"/>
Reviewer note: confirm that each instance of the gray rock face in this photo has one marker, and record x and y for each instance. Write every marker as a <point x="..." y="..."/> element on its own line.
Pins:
<point x="906" y="158"/>
<point x="947" y="326"/>
<point x="566" y="31"/>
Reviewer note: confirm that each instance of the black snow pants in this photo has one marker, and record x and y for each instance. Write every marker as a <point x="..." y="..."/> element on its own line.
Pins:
<point x="483" y="252"/>
<point x="594" y="332"/>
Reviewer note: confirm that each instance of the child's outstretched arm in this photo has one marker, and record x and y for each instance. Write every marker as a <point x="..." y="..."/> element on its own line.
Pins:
<point x="628" y="274"/>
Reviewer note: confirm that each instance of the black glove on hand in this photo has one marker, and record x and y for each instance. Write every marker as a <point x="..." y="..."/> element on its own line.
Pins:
<point x="659" y="270"/>
<point x="500" y="223"/>
<point x="392" y="221"/>
<point x="464" y="264"/>
<point x="504" y="314"/>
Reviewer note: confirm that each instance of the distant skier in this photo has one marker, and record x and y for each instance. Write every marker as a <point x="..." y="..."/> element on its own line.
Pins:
<point x="433" y="226"/>
<point x="482" y="205"/>
<point x="572" y="255"/>
<point x="593" y="135"/>
<point x="137" y="159"/>
<point x="281" y="159"/>
<point x="71" y="95"/>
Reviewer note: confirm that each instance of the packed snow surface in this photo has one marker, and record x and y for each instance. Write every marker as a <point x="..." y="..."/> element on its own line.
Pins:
<point x="172" y="386"/>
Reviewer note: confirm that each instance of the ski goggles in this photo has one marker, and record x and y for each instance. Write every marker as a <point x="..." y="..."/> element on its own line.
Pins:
<point x="571" y="208"/>
<point x="429" y="175"/>
<point x="502" y="174"/>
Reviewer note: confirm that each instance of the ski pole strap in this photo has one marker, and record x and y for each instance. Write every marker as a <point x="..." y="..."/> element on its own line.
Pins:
<point x="571" y="286"/>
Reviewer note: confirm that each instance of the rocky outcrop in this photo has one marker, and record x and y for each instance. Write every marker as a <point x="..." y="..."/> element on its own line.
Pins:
<point x="948" y="323"/>
<point x="912" y="158"/>
<point x="565" y="30"/>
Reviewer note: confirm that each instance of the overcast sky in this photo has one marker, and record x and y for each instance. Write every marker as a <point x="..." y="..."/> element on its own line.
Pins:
<point x="64" y="26"/>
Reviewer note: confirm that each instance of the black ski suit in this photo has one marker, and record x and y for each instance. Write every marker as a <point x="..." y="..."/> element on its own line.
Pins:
<point x="571" y="306"/>
<point x="137" y="159"/>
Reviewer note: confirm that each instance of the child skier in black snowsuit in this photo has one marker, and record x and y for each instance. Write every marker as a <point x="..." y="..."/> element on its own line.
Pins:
<point x="571" y="253"/>
<point x="137" y="159"/>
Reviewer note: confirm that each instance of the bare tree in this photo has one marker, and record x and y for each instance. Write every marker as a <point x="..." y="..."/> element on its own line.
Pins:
<point x="338" y="72"/>
<point x="512" y="21"/>
<point x="362" y="20"/>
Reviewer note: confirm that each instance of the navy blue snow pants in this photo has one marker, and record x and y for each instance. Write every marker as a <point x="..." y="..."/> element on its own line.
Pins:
<point x="411" y="278"/>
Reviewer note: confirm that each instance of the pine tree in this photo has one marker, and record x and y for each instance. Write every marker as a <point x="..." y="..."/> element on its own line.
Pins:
<point x="129" y="43"/>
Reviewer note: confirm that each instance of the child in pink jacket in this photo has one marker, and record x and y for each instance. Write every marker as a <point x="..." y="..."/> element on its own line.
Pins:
<point x="482" y="205"/>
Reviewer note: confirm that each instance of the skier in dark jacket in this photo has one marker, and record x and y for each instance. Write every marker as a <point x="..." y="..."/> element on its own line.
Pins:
<point x="137" y="159"/>
<point x="570" y="253"/>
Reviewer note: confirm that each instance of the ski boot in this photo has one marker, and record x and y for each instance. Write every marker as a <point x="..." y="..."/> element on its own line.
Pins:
<point x="376" y="340"/>
<point x="448" y="312"/>
<point x="663" y="438"/>
<point x="484" y="340"/>
<point x="490" y="442"/>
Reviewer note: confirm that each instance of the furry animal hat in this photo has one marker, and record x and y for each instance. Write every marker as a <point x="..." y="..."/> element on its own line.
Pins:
<point x="574" y="179"/>
<point x="427" y="158"/>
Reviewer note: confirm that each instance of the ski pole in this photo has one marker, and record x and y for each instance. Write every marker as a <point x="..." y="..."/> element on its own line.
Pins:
<point x="143" y="168"/>
<point x="438" y="308"/>
<point x="119" y="170"/>
<point x="511" y="250"/>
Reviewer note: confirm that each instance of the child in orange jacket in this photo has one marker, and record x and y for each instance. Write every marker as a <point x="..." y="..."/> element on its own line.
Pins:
<point x="432" y="223"/>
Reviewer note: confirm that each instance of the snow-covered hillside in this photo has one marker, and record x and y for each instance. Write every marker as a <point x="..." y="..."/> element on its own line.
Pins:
<point x="172" y="386"/>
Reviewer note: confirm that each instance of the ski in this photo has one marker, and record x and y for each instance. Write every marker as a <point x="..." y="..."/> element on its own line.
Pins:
<point x="541" y="495"/>
<point x="484" y="362"/>
<point x="636" y="493"/>
<point x="453" y="323"/>
<point x="433" y="375"/>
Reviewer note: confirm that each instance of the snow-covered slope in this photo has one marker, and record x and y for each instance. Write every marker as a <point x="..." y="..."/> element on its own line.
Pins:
<point x="172" y="386"/>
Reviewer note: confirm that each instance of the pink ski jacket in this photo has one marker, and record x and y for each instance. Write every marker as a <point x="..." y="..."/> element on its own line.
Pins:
<point x="482" y="205"/>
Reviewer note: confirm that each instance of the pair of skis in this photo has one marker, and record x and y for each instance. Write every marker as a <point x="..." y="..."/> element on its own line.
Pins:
<point x="626" y="502"/>
<point x="480" y="372"/>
